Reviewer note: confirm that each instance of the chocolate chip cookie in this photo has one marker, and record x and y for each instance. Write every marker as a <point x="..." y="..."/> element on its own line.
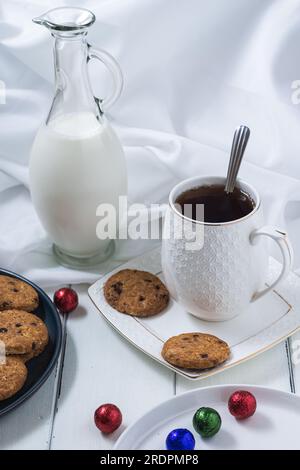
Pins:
<point x="195" y="351"/>
<point x="22" y="332"/>
<point x="136" y="293"/>
<point x="28" y="356"/>
<point x="16" y="294"/>
<point x="13" y="374"/>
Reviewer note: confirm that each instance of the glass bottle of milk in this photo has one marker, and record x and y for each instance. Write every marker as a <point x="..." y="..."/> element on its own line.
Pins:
<point x="77" y="162"/>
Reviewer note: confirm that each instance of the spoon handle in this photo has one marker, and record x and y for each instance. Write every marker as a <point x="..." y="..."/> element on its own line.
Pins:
<point x="239" y="144"/>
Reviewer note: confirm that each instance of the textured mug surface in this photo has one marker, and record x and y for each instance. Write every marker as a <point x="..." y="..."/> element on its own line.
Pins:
<point x="218" y="279"/>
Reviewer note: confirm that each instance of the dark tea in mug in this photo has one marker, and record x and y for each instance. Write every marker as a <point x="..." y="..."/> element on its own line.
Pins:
<point x="217" y="204"/>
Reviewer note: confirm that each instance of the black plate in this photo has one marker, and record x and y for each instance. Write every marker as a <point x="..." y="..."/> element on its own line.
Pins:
<point x="40" y="367"/>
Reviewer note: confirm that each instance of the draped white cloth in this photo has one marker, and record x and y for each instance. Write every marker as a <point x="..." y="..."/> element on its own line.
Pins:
<point x="193" y="70"/>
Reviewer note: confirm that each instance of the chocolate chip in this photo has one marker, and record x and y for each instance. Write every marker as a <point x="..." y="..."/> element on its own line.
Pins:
<point x="157" y="287"/>
<point x="3" y="330"/>
<point x="204" y="356"/>
<point x="195" y="336"/>
<point x="118" y="287"/>
<point x="5" y="304"/>
<point x="15" y="290"/>
<point x="148" y="280"/>
<point x="18" y="325"/>
<point x="33" y="346"/>
<point x="33" y="324"/>
<point x="141" y="298"/>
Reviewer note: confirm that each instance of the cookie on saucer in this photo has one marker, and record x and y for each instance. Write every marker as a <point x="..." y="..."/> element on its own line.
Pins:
<point x="136" y="293"/>
<point x="16" y="294"/>
<point x="195" y="351"/>
<point x="22" y="332"/>
<point x="13" y="374"/>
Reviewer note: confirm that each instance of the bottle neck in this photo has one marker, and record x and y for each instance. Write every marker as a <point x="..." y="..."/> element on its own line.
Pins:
<point x="72" y="83"/>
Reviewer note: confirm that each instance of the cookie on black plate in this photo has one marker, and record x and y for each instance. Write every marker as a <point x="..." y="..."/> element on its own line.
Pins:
<point x="22" y="332"/>
<point x="16" y="294"/>
<point x="13" y="374"/>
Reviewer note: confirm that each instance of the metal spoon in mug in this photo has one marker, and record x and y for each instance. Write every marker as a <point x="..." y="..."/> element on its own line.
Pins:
<point x="239" y="144"/>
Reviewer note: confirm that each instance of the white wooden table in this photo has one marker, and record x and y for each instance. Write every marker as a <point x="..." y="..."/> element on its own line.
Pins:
<point x="99" y="366"/>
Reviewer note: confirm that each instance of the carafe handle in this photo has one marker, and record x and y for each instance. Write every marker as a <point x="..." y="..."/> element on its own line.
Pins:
<point x="116" y="73"/>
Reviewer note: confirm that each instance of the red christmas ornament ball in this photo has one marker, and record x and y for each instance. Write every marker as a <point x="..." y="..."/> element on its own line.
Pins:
<point x="108" y="418"/>
<point x="66" y="300"/>
<point x="242" y="404"/>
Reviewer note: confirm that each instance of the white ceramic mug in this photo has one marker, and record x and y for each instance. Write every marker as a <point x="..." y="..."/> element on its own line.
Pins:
<point x="220" y="279"/>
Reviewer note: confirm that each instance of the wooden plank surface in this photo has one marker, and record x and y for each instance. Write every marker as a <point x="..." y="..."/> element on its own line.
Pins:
<point x="101" y="367"/>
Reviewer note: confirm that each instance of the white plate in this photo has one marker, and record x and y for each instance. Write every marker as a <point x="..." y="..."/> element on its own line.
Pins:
<point x="267" y="322"/>
<point x="275" y="425"/>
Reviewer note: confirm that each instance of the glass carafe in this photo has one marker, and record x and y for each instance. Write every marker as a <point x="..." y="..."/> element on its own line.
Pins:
<point x="77" y="162"/>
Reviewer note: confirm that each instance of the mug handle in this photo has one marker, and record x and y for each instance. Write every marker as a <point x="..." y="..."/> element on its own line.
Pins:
<point x="116" y="73"/>
<point x="281" y="238"/>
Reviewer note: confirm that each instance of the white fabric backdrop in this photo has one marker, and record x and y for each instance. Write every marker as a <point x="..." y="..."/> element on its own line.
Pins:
<point x="194" y="70"/>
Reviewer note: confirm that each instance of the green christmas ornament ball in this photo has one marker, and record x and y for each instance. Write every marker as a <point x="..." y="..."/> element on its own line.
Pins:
<point x="207" y="422"/>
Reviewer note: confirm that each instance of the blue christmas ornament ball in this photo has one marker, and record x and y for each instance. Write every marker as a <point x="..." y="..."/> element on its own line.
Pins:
<point x="180" y="439"/>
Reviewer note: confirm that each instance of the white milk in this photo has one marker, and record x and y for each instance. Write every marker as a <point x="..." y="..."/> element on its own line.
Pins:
<point x="76" y="164"/>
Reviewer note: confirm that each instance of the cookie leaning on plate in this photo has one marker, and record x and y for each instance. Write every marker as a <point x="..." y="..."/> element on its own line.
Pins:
<point x="16" y="294"/>
<point x="136" y="293"/>
<point x="195" y="351"/>
<point x="13" y="374"/>
<point x="22" y="332"/>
